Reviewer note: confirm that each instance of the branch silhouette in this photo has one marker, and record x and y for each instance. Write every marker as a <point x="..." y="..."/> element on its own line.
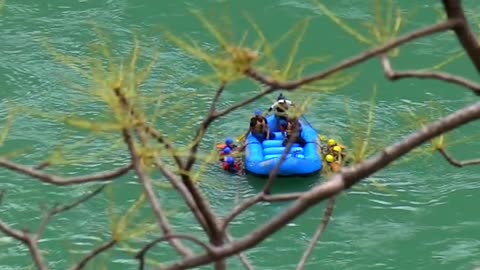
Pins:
<point x="316" y="237"/>
<point x="31" y="240"/>
<point x="140" y="256"/>
<point x="60" y="181"/>
<point x="274" y="84"/>
<point x="455" y="162"/>
<point x="395" y="75"/>
<point x="152" y="198"/>
<point x="94" y="254"/>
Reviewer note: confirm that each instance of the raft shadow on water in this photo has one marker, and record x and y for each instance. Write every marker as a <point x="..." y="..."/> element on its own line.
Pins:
<point x="284" y="184"/>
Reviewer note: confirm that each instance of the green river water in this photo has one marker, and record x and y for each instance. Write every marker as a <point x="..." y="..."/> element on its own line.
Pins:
<point x="419" y="214"/>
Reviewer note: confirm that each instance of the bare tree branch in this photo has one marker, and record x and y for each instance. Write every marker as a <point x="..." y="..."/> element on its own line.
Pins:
<point x="464" y="34"/>
<point x="393" y="75"/>
<point x="152" y="198"/>
<point x="241" y="104"/>
<point x="20" y="236"/>
<point x="140" y="256"/>
<point x="339" y="182"/>
<point x="31" y="240"/>
<point x="282" y="197"/>
<point x="146" y="126"/>
<point x="202" y="129"/>
<point x="94" y="254"/>
<point x="173" y="179"/>
<point x="27" y="240"/>
<point x="321" y="229"/>
<point x="180" y="187"/>
<point x="163" y="140"/>
<point x="155" y="204"/>
<point x="58" y="210"/>
<point x="455" y="162"/>
<point x="42" y="165"/>
<point x="216" y="98"/>
<point x="202" y="204"/>
<point x="260" y="197"/>
<point x="274" y="84"/>
<point x="243" y="258"/>
<point x="60" y="181"/>
<point x="241" y="208"/>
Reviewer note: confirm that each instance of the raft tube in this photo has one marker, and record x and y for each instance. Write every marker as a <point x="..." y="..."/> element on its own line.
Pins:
<point x="262" y="158"/>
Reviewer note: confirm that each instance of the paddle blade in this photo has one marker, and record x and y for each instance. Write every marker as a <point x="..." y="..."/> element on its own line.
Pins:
<point x="241" y="138"/>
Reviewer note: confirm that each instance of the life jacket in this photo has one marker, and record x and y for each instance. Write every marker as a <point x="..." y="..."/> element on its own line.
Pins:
<point x="231" y="167"/>
<point x="335" y="167"/>
<point x="232" y="146"/>
<point x="334" y="153"/>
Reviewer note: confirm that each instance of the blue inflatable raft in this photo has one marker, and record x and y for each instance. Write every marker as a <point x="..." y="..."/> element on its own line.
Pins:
<point x="261" y="158"/>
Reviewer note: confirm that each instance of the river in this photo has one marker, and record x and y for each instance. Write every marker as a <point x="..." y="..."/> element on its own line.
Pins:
<point x="417" y="214"/>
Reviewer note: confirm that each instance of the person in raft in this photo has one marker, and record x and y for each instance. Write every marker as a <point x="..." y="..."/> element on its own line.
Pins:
<point x="230" y="165"/>
<point x="280" y="107"/>
<point x="259" y="127"/>
<point x="229" y="143"/>
<point x="333" y="164"/>
<point x="336" y="149"/>
<point x="288" y="127"/>
<point x="226" y="152"/>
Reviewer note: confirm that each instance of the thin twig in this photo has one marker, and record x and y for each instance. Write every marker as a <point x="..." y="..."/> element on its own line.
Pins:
<point x="274" y="84"/>
<point x="455" y="162"/>
<point x="339" y="182"/>
<point x="145" y="179"/>
<point x="58" y="210"/>
<point x="140" y="256"/>
<point x="260" y="197"/>
<point x="286" y="152"/>
<point x="216" y="235"/>
<point x="243" y="258"/>
<point x="42" y="165"/>
<point x="395" y="75"/>
<point x="27" y="240"/>
<point x="146" y="127"/>
<point x="180" y="187"/>
<point x="202" y="129"/>
<point x="94" y="253"/>
<point x="61" y="181"/>
<point x="240" y="209"/>
<point x="282" y="197"/>
<point x="173" y="178"/>
<point x="241" y="104"/>
<point x="31" y="240"/>
<point x="157" y="135"/>
<point x="211" y="221"/>
<point x="18" y="235"/>
<point x="216" y="98"/>
<point x="152" y="198"/>
<point x="318" y="233"/>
